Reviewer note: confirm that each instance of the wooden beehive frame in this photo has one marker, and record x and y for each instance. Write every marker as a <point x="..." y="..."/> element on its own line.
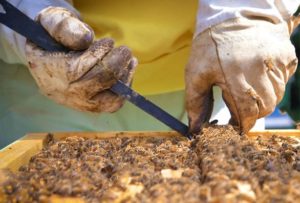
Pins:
<point x="19" y="152"/>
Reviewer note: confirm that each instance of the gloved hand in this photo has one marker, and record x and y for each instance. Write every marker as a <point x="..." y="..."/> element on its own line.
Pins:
<point x="250" y="60"/>
<point x="79" y="79"/>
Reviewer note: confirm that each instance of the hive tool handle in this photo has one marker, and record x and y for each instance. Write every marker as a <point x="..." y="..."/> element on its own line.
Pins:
<point x="22" y="24"/>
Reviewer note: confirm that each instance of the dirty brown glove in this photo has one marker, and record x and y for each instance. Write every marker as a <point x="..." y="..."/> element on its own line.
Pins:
<point x="79" y="79"/>
<point x="250" y="60"/>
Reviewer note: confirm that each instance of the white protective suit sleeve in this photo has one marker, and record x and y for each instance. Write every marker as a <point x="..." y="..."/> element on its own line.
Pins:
<point x="213" y="12"/>
<point x="12" y="45"/>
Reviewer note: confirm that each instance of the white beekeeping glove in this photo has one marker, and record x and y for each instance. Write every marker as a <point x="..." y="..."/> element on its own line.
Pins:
<point x="246" y="51"/>
<point x="79" y="79"/>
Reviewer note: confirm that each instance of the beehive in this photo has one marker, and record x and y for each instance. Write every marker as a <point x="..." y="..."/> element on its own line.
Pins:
<point x="19" y="152"/>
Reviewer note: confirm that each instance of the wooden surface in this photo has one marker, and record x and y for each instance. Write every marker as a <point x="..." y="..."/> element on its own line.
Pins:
<point x="288" y="133"/>
<point x="19" y="152"/>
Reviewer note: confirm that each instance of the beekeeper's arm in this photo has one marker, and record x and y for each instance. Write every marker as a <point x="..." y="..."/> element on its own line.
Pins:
<point x="244" y="48"/>
<point x="80" y="78"/>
